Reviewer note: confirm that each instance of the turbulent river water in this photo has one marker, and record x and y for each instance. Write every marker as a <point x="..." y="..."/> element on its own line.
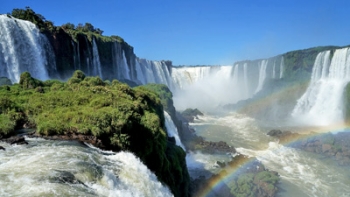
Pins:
<point x="302" y="173"/>
<point x="65" y="168"/>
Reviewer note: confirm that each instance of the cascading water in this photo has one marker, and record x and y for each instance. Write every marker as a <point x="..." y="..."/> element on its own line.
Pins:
<point x="67" y="168"/>
<point x="220" y="85"/>
<point x="76" y="56"/>
<point x="281" y="67"/>
<point x="96" y="60"/>
<point x="22" y="48"/>
<point x="322" y="102"/>
<point x="140" y="73"/>
<point x="245" y="78"/>
<point x="172" y="130"/>
<point x="262" y="75"/>
<point x="125" y="67"/>
<point x="162" y="74"/>
<point x="153" y="72"/>
<point x="186" y="76"/>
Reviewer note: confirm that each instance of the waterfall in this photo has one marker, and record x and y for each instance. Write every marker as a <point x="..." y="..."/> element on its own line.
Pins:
<point x="235" y="74"/>
<point x="125" y="67"/>
<point x="322" y="102"/>
<point x="161" y="72"/>
<point x="172" y="130"/>
<point x="186" y="76"/>
<point x="262" y="75"/>
<point x="153" y="72"/>
<point x="96" y="60"/>
<point x="88" y="56"/>
<point x="281" y="67"/>
<point x="140" y="72"/>
<point x="22" y="48"/>
<point x="78" y="52"/>
<point x="76" y="56"/>
<point x="245" y="78"/>
<point x="68" y="168"/>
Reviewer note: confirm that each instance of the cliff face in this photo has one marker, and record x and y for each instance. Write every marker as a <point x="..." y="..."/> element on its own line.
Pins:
<point x="93" y="54"/>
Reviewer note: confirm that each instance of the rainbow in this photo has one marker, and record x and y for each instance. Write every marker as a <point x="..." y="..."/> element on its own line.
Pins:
<point x="217" y="182"/>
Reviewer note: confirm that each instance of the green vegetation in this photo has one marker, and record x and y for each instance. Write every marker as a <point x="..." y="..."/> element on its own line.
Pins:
<point x="74" y="30"/>
<point x="249" y="184"/>
<point x="121" y="117"/>
<point x="29" y="15"/>
<point x="163" y="92"/>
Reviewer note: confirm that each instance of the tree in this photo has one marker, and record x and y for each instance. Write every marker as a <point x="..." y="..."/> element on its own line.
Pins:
<point x="68" y="26"/>
<point x="88" y="27"/>
<point x="29" y="15"/>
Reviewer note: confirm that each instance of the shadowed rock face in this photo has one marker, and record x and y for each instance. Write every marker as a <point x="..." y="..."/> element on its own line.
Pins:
<point x="191" y="114"/>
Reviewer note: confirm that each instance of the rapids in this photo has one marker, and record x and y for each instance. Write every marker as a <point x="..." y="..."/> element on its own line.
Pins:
<point x="302" y="173"/>
<point x="62" y="168"/>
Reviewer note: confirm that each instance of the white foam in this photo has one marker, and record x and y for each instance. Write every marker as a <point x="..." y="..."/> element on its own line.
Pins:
<point x="32" y="170"/>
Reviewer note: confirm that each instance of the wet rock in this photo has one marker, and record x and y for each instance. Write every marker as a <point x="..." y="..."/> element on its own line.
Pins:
<point x="212" y="147"/>
<point x="172" y="139"/>
<point x="2" y="148"/>
<point x="65" y="178"/>
<point x="190" y="114"/>
<point x="90" y="139"/>
<point x="16" y="140"/>
<point x="221" y="164"/>
<point x="274" y="133"/>
<point x="283" y="136"/>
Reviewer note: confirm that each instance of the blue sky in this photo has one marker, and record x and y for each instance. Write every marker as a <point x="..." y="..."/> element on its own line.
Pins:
<point x="211" y="32"/>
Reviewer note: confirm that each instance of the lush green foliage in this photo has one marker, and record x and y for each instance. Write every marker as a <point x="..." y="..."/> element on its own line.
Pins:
<point x="248" y="184"/>
<point x="121" y="117"/>
<point x="45" y="25"/>
<point x="163" y="92"/>
<point x="83" y="105"/>
<point x="29" y="15"/>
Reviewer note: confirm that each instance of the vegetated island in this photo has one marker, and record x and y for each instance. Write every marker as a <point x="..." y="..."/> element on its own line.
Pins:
<point x="109" y="115"/>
